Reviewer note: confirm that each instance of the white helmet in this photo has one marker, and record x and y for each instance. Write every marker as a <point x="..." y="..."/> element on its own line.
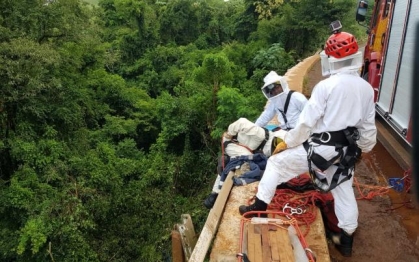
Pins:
<point x="271" y="80"/>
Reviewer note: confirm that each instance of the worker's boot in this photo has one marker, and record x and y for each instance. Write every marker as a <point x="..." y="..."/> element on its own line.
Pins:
<point x="258" y="205"/>
<point x="343" y="242"/>
<point x="210" y="200"/>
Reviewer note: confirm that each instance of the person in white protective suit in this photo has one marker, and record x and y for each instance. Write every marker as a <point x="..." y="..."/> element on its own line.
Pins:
<point x="283" y="102"/>
<point x="243" y="138"/>
<point x="337" y="123"/>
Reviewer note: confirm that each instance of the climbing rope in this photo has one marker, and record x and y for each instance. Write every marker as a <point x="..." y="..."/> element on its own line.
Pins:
<point x="299" y="205"/>
<point x="302" y="206"/>
<point x="368" y="192"/>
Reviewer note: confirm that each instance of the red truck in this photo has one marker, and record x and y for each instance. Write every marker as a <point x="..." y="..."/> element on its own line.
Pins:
<point x="388" y="67"/>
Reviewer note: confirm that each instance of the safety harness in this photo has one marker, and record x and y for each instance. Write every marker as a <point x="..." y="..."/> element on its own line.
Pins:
<point x="345" y="162"/>
<point x="284" y="113"/>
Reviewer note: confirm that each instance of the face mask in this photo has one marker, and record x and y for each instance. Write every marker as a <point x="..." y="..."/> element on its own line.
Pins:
<point x="272" y="90"/>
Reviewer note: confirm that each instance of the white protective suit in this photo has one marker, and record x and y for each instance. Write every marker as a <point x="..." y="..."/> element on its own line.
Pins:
<point x="251" y="136"/>
<point x="276" y="105"/>
<point x="341" y="101"/>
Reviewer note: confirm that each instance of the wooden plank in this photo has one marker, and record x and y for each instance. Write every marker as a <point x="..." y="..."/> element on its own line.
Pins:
<point x="212" y="222"/>
<point x="257" y="243"/>
<point x="286" y="253"/>
<point x="266" y="249"/>
<point x="274" y="245"/>
<point x="316" y="239"/>
<point x="177" y="251"/>
<point x="251" y="242"/>
<point x="244" y="244"/>
<point x="187" y="234"/>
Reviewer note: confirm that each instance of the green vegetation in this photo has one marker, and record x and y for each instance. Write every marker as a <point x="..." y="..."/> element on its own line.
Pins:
<point x="93" y="2"/>
<point x="111" y="116"/>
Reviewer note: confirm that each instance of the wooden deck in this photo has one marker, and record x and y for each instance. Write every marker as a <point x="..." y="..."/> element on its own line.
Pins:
<point x="271" y="244"/>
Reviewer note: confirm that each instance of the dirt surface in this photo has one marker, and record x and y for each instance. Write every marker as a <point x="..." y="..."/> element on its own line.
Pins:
<point x="388" y="222"/>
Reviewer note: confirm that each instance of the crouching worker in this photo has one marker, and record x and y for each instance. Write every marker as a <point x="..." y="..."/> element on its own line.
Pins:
<point x="286" y="104"/>
<point x="337" y="122"/>
<point x="246" y="148"/>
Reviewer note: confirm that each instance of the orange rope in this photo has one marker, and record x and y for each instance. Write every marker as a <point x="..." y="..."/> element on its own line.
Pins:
<point x="373" y="191"/>
<point x="306" y="201"/>
<point x="408" y="179"/>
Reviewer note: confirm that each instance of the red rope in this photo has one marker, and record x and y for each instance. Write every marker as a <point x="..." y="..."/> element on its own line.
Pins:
<point x="372" y="191"/>
<point x="306" y="201"/>
<point x="369" y="192"/>
<point x="408" y="180"/>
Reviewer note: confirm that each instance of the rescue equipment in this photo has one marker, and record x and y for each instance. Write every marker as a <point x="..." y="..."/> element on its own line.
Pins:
<point x="284" y="113"/>
<point x="340" y="45"/>
<point x="266" y="230"/>
<point x="345" y="161"/>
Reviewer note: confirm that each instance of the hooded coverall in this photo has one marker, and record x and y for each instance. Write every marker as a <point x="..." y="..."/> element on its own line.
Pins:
<point x="276" y="105"/>
<point x="249" y="138"/>
<point x="340" y="101"/>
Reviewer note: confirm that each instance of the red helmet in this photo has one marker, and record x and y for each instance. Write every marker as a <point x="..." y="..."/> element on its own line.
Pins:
<point x="340" y="45"/>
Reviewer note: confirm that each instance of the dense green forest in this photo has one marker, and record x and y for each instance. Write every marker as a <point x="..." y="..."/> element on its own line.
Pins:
<point x="111" y="114"/>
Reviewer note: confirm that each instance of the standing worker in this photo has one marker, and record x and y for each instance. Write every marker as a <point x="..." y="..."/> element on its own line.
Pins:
<point x="285" y="103"/>
<point x="336" y="124"/>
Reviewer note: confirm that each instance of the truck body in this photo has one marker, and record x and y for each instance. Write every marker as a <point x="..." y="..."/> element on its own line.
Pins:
<point x="388" y="63"/>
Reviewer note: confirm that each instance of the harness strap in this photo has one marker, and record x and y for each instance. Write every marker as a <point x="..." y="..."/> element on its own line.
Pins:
<point x="343" y="137"/>
<point x="260" y="147"/>
<point x="318" y="160"/>
<point x="346" y="163"/>
<point x="287" y="102"/>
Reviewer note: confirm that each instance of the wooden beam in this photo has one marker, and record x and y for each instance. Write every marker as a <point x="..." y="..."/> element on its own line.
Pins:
<point x="213" y="220"/>
<point x="187" y="234"/>
<point x="177" y="251"/>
